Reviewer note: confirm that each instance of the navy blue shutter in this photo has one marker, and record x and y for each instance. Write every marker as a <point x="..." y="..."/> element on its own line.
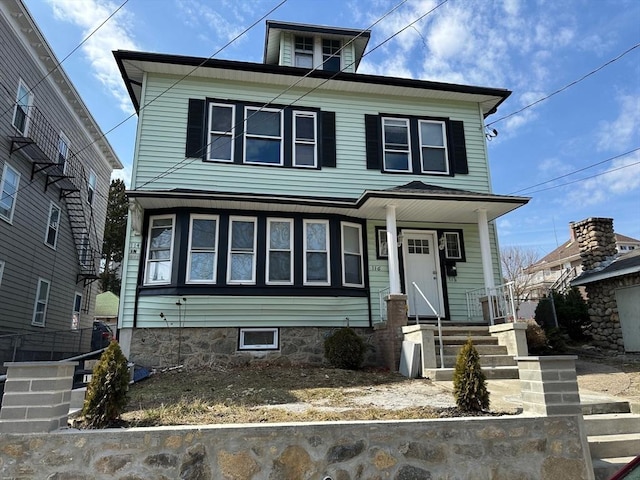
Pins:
<point x="328" y="139"/>
<point x="194" y="147"/>
<point x="287" y="137"/>
<point x="372" y="135"/>
<point x="460" y="164"/>
<point x="238" y="147"/>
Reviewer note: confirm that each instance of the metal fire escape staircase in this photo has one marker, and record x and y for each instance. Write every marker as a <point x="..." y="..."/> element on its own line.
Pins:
<point x="41" y="144"/>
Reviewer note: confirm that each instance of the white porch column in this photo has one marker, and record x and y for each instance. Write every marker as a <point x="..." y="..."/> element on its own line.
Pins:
<point x="392" y="251"/>
<point x="485" y="248"/>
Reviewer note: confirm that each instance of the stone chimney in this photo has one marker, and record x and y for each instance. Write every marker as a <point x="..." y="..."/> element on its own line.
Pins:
<point x="597" y="242"/>
<point x="572" y="232"/>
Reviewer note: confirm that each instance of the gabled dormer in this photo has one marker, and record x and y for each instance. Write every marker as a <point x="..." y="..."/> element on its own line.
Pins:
<point x="314" y="46"/>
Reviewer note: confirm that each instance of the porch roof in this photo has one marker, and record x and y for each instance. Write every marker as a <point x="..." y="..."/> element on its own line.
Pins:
<point x="414" y="202"/>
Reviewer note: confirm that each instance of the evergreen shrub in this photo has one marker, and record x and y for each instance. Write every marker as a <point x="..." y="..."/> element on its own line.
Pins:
<point x="345" y="349"/>
<point x="469" y="382"/>
<point x="107" y="392"/>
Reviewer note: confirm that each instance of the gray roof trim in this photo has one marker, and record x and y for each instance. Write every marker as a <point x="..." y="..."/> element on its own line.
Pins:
<point x="626" y="264"/>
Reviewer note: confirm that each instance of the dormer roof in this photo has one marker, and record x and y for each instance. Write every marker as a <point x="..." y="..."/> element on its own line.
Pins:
<point x="360" y="38"/>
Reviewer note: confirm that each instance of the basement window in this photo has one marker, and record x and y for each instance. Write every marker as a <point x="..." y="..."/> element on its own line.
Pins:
<point x="258" y="339"/>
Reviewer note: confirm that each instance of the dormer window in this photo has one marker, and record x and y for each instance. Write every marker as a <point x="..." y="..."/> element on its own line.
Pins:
<point x="331" y="55"/>
<point x="304" y="52"/>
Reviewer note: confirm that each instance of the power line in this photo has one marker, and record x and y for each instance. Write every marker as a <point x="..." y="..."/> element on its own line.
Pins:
<point x="187" y="161"/>
<point x="566" y="86"/>
<point x="586" y="178"/>
<point x="576" y="171"/>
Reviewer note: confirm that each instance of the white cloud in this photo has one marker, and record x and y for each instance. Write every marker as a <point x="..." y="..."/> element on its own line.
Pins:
<point x="624" y="131"/>
<point x="113" y="35"/>
<point x="207" y="17"/>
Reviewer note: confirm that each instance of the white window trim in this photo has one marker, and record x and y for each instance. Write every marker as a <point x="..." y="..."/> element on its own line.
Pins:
<point x="46" y="303"/>
<point x="229" y="133"/>
<point x="148" y="254"/>
<point x="215" y="248"/>
<point x="254" y="252"/>
<point x="443" y="147"/>
<point x="62" y="138"/>
<point x="246" y="135"/>
<point x="291" y="243"/>
<point x="91" y="187"/>
<point x="272" y="346"/>
<point x="344" y="252"/>
<point x="304" y="253"/>
<point x="3" y="179"/>
<point x="57" y="227"/>
<point x="314" y="143"/>
<point x="299" y="51"/>
<point x="395" y="150"/>
<point x="75" y="312"/>
<point x="1" y="271"/>
<point x="446" y="249"/>
<point x="29" y="95"/>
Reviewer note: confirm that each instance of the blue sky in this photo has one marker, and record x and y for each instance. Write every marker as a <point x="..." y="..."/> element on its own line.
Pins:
<point x="533" y="48"/>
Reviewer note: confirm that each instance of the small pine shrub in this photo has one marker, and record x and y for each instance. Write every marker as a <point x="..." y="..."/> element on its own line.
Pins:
<point x="107" y="391"/>
<point x="537" y="342"/>
<point x="469" y="382"/>
<point x="556" y="341"/>
<point x="544" y="313"/>
<point x="345" y="349"/>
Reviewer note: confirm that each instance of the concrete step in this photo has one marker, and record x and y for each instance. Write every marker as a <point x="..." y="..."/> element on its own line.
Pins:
<point x="462" y="339"/>
<point x="612" y="423"/>
<point x="485" y="361"/>
<point x="492" y="373"/>
<point x="598" y="408"/>
<point x="609" y="446"/>
<point x="465" y="331"/>
<point x="604" y="468"/>
<point x="452" y="350"/>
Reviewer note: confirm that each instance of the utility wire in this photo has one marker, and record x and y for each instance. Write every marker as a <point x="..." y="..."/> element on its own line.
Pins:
<point x="566" y="86"/>
<point x="576" y="171"/>
<point x="586" y="178"/>
<point x="187" y="161"/>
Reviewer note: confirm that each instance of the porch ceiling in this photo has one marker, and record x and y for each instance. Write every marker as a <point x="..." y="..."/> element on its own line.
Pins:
<point x="446" y="206"/>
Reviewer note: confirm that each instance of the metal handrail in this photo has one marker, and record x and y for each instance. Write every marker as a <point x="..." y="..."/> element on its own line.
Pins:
<point x="439" y="322"/>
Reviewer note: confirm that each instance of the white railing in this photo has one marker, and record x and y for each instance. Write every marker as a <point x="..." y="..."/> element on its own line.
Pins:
<point x="382" y="295"/>
<point x="437" y="314"/>
<point x="491" y="304"/>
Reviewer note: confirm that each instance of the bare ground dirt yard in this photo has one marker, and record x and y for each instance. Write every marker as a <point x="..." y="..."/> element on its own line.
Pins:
<point x="268" y="393"/>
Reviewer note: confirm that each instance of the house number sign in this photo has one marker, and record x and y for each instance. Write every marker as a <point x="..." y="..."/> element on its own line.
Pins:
<point x="134" y="251"/>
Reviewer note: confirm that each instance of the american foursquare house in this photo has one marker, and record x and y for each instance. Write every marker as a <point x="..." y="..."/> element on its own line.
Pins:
<point x="274" y="202"/>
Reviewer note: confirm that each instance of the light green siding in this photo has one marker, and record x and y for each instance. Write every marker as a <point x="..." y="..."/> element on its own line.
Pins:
<point x="232" y="311"/>
<point x="286" y="49"/>
<point x="163" y="134"/>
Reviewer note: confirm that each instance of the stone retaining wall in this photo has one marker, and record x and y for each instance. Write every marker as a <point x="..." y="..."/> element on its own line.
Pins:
<point x="502" y="448"/>
<point x="198" y="347"/>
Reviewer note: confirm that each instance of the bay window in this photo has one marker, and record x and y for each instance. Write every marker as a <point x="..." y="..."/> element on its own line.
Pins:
<point x="203" y="246"/>
<point x="242" y="251"/>
<point x="316" y="252"/>
<point x="279" y="251"/>
<point x="352" y="274"/>
<point x="160" y="250"/>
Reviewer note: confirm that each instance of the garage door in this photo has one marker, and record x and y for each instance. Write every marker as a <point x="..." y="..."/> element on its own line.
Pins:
<point x="628" y="300"/>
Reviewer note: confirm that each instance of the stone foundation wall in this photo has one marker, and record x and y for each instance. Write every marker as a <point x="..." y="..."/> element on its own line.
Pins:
<point x="198" y="347"/>
<point x="603" y="311"/>
<point x="503" y="448"/>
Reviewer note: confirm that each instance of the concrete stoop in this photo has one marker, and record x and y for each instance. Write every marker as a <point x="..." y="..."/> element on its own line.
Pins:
<point x="496" y="363"/>
<point x="614" y="438"/>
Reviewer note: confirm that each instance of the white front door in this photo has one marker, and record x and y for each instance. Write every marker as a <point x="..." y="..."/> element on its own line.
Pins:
<point x="420" y="253"/>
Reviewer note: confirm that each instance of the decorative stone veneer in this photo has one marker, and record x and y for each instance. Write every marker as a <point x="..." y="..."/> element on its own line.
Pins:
<point x="597" y="242"/>
<point x="198" y="347"/>
<point x="506" y="448"/>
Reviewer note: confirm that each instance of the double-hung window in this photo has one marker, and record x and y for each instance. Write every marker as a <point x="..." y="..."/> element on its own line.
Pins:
<point x="8" y="192"/>
<point x="279" y="251"/>
<point x="160" y="250"/>
<point x="304" y="139"/>
<point x="352" y="274"/>
<point x="242" y="251"/>
<point x="331" y="55"/>
<point x="452" y="246"/>
<point x="203" y="247"/>
<point x="40" y="307"/>
<point x="75" y="315"/>
<point x="51" y="237"/>
<point x="63" y="151"/>
<point x="395" y="135"/>
<point x="91" y="187"/>
<point x="263" y="136"/>
<point x="316" y="252"/>
<point x="303" y="54"/>
<point x="24" y="100"/>
<point x="433" y="147"/>
<point x="221" y="132"/>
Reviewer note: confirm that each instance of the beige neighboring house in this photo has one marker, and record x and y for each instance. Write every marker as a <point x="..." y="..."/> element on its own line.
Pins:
<point x="557" y="268"/>
<point x="107" y="304"/>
